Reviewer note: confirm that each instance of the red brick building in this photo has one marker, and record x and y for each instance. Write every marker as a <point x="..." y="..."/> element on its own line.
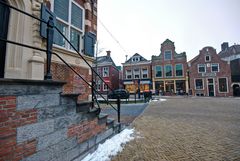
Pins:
<point x="169" y="70"/>
<point x="79" y="25"/>
<point x="108" y="71"/>
<point x="75" y="19"/>
<point x="137" y="74"/>
<point x="209" y="74"/>
<point x="232" y="54"/>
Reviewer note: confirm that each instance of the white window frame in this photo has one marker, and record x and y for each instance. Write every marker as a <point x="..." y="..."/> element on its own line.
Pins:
<point x="134" y="73"/>
<point x="98" y="84"/>
<point x="166" y="70"/>
<point x="105" y="75"/>
<point x="104" y="85"/>
<point x="136" y="59"/>
<point x="127" y="74"/>
<point x="161" y="71"/>
<point x="217" y="65"/>
<point x="209" y="58"/>
<point x="176" y="70"/>
<point x="171" y="55"/>
<point x="226" y="83"/>
<point x="204" y="68"/>
<point x="143" y="73"/>
<point x="69" y="26"/>
<point x="195" y="83"/>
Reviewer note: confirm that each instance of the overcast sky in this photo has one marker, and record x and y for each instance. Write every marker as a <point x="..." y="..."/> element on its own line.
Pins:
<point x="140" y="26"/>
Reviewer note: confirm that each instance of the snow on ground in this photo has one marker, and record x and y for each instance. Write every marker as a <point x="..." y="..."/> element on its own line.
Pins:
<point x="110" y="147"/>
<point x="162" y="99"/>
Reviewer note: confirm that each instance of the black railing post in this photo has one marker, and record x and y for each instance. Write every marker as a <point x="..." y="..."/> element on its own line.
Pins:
<point x="50" y="33"/>
<point x="94" y="85"/>
<point x="107" y="95"/>
<point x="118" y="108"/>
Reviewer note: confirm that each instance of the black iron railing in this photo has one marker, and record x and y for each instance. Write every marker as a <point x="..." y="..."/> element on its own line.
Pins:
<point x="48" y="76"/>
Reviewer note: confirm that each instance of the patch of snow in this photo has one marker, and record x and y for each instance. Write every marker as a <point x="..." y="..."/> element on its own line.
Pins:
<point x="163" y="99"/>
<point x="110" y="147"/>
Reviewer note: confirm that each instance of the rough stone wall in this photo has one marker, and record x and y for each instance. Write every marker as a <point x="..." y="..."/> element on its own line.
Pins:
<point x="37" y="123"/>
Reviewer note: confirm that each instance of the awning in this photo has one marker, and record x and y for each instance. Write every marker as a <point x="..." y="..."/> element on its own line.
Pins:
<point x="128" y="82"/>
<point x="145" y="82"/>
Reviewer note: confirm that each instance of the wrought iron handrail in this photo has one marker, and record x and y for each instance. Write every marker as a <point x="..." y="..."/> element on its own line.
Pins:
<point x="82" y="56"/>
<point x="50" y="26"/>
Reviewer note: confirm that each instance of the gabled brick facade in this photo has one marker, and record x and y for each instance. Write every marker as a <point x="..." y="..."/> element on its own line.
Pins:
<point x="209" y="75"/>
<point x="107" y="69"/>
<point x="232" y="54"/>
<point x="175" y="81"/>
<point x="137" y="74"/>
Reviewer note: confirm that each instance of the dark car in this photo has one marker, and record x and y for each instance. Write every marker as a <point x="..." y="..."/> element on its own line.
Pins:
<point x="124" y="94"/>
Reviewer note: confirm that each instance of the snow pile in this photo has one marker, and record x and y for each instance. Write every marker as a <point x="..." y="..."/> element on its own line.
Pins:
<point x="111" y="147"/>
<point x="156" y="100"/>
<point x="162" y="99"/>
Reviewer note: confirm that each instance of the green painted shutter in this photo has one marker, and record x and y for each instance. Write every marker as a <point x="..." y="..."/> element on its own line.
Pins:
<point x="89" y="42"/>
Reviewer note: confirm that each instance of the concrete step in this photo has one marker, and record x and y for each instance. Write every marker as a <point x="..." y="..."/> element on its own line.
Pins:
<point x="84" y="107"/>
<point x="69" y="98"/>
<point x="102" y="118"/>
<point x="110" y="122"/>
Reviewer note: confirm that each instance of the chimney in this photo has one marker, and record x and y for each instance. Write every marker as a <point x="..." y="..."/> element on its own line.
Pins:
<point x="224" y="46"/>
<point x="108" y="53"/>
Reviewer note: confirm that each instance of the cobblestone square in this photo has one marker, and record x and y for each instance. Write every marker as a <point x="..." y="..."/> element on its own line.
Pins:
<point x="186" y="129"/>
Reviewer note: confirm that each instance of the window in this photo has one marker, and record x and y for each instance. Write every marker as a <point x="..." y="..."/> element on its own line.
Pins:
<point x="215" y="67"/>
<point x="128" y="74"/>
<point x="198" y="83"/>
<point x="201" y="68"/>
<point x="158" y="71"/>
<point x="207" y="58"/>
<point x="222" y="85"/>
<point x="98" y="84"/>
<point x="105" y="71"/>
<point x="179" y="70"/>
<point x="144" y="73"/>
<point x="136" y="73"/>
<point x="168" y="70"/>
<point x="99" y="71"/>
<point x="135" y="59"/>
<point x="105" y="87"/>
<point x="167" y="55"/>
<point x="69" y="22"/>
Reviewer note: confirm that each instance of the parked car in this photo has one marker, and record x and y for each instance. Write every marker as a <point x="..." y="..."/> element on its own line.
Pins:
<point x="124" y="94"/>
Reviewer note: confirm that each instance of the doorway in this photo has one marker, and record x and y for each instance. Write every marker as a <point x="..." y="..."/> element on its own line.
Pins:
<point x="211" y="90"/>
<point x="236" y="90"/>
<point x="4" y="17"/>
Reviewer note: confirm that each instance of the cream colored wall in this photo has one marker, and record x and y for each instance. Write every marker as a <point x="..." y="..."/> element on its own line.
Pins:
<point x="24" y="63"/>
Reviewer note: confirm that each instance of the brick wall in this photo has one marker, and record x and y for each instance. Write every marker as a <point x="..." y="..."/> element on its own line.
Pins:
<point x="10" y="120"/>
<point x="85" y="130"/>
<point x="74" y="83"/>
<point x="224" y="68"/>
<point x="37" y="123"/>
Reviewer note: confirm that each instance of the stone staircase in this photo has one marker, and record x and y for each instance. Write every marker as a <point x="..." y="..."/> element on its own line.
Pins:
<point x="49" y="125"/>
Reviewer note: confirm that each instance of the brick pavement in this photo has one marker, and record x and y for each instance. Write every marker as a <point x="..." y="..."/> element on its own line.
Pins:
<point x="185" y="129"/>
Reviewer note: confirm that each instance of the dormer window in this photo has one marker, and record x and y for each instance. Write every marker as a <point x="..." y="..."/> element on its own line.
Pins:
<point x="135" y="59"/>
<point x="207" y="58"/>
<point x="168" y="55"/>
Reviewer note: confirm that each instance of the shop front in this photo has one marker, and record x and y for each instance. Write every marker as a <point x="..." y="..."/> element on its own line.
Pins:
<point x="170" y="87"/>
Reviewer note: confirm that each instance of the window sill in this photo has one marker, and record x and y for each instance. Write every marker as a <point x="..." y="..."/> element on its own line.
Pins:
<point x="62" y="50"/>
